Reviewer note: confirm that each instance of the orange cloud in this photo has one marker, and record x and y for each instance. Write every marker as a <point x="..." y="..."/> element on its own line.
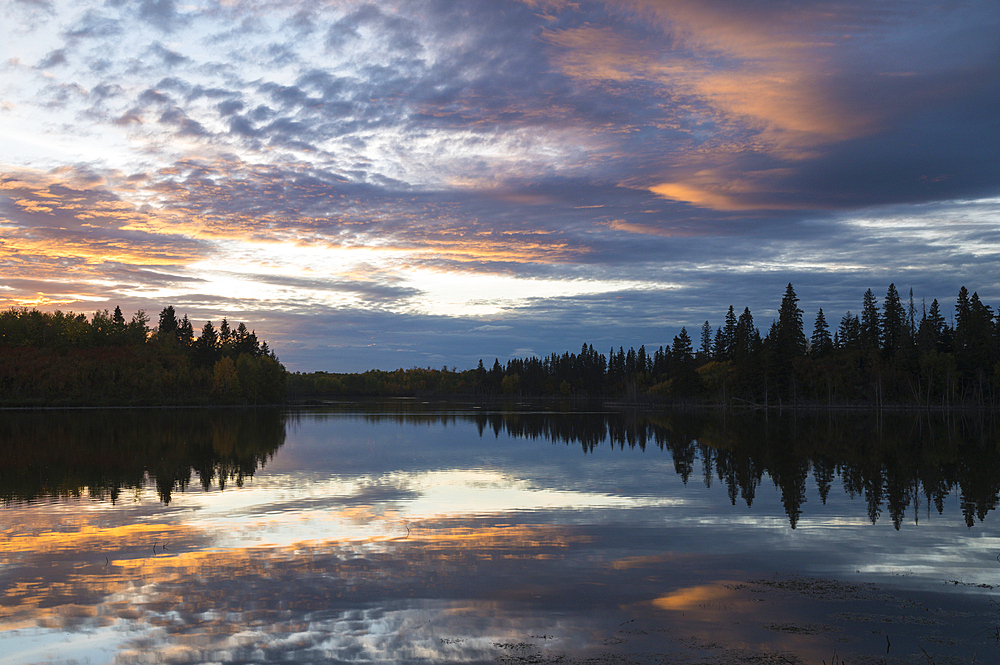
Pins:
<point x="698" y="196"/>
<point x="61" y="215"/>
<point x="720" y="191"/>
<point x="762" y="79"/>
<point x="645" y="229"/>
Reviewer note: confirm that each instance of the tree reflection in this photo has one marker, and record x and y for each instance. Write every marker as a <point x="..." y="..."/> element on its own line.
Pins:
<point x="49" y="454"/>
<point x="894" y="462"/>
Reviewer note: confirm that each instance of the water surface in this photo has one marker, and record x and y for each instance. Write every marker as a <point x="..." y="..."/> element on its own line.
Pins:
<point x="409" y="532"/>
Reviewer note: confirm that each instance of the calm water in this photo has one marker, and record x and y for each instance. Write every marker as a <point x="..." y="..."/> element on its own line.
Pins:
<point x="411" y="532"/>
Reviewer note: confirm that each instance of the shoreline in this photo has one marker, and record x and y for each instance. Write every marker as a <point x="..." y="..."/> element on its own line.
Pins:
<point x="614" y="404"/>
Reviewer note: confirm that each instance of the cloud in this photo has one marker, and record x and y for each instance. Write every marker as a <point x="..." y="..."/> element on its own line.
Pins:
<point x="778" y="93"/>
<point x="169" y="57"/>
<point x="93" y="25"/>
<point x="159" y="13"/>
<point x="67" y="226"/>
<point x="53" y="59"/>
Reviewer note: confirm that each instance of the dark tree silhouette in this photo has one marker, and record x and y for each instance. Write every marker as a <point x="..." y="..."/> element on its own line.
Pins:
<point x="821" y="343"/>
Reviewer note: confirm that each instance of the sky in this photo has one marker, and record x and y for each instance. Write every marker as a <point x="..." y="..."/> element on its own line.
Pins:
<point x="427" y="183"/>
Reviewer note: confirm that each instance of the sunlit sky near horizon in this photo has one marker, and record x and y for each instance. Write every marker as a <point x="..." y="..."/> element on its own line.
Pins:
<point x="390" y="184"/>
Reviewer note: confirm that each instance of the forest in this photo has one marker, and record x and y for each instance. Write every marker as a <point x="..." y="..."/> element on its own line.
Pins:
<point x="64" y="359"/>
<point x="889" y="354"/>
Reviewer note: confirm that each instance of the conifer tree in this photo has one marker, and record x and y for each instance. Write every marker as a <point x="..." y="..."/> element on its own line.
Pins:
<point x="730" y="335"/>
<point x="168" y="321"/>
<point x="681" y="350"/>
<point x="207" y="345"/>
<point x="871" y="331"/>
<point x="849" y="333"/>
<point x="686" y="382"/>
<point x="138" y="329"/>
<point x="747" y="338"/>
<point x="911" y="315"/>
<point x="893" y="323"/>
<point x="719" y="345"/>
<point x="705" y="352"/>
<point x="821" y="342"/>
<point x="118" y="326"/>
<point x="963" y="315"/>
<point x="185" y="331"/>
<point x="931" y="333"/>
<point x="790" y="338"/>
<point x="225" y="334"/>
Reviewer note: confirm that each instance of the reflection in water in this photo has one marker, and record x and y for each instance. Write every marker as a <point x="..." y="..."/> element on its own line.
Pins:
<point x="895" y="461"/>
<point x="65" y="453"/>
<point x="437" y="536"/>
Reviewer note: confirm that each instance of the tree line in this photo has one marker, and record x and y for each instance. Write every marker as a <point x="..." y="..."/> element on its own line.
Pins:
<point x="65" y="358"/>
<point x="890" y="353"/>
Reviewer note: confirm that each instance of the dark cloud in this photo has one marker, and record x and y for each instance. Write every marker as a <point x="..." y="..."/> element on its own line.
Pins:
<point x="53" y="59"/>
<point x="386" y="295"/>
<point x="94" y="25"/>
<point x="105" y="90"/>
<point x="153" y="96"/>
<point x="185" y="125"/>
<point x="397" y="33"/>
<point x="303" y="21"/>
<point x="169" y="57"/>
<point x="59" y="96"/>
<point x="201" y="92"/>
<point x="285" y="95"/>
<point x="230" y="106"/>
<point x="159" y="13"/>
<point x="329" y="86"/>
<point x="241" y="126"/>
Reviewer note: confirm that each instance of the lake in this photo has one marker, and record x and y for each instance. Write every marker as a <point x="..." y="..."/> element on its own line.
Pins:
<point x="412" y="532"/>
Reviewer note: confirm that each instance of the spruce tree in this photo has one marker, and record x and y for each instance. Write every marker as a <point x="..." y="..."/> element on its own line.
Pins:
<point x="790" y="338"/>
<point x="747" y="339"/>
<point x="963" y="316"/>
<point x="168" y="321"/>
<point x="705" y="352"/>
<point x="931" y="335"/>
<point x="686" y="382"/>
<point x="681" y="350"/>
<point x="849" y="332"/>
<point x="911" y="315"/>
<point x="719" y="345"/>
<point x="821" y="342"/>
<point x="185" y="331"/>
<point x="871" y="331"/>
<point x="894" y="324"/>
<point x="729" y="337"/>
